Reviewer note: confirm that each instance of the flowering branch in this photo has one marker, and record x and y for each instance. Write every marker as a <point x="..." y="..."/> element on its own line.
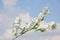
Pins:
<point x="36" y="24"/>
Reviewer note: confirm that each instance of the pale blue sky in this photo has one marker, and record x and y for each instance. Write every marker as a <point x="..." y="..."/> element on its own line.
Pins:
<point x="10" y="9"/>
<point x="35" y="6"/>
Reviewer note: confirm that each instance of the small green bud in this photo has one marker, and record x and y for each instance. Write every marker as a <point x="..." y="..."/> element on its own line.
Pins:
<point x="41" y="29"/>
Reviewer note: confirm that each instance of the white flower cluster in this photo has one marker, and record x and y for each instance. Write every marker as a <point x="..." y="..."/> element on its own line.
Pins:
<point x="25" y="23"/>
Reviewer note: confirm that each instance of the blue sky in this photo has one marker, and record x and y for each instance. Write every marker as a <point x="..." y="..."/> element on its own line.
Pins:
<point x="35" y="6"/>
<point x="9" y="9"/>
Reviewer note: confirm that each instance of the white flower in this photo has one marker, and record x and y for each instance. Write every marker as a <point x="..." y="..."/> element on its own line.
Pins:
<point x="25" y="20"/>
<point x="16" y="20"/>
<point x="43" y="13"/>
<point x="33" y="19"/>
<point x="27" y="23"/>
<point x="19" y="32"/>
<point x="52" y="25"/>
<point x="43" y="24"/>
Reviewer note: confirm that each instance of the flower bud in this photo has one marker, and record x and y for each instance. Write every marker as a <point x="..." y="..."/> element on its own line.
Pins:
<point x="52" y="25"/>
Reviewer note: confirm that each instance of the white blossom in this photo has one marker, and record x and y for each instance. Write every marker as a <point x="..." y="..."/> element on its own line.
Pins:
<point x="16" y="20"/>
<point x="28" y="23"/>
<point x="43" y="24"/>
<point x="52" y="25"/>
<point x="25" y="20"/>
<point x="43" y="13"/>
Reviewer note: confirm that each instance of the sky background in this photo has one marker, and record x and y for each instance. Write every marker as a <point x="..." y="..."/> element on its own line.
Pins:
<point x="9" y="9"/>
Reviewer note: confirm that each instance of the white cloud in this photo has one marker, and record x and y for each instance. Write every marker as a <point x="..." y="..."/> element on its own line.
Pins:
<point x="39" y="37"/>
<point x="49" y="38"/>
<point x="7" y="35"/>
<point x="5" y="20"/>
<point x="1" y="17"/>
<point x="9" y="3"/>
<point x="10" y="7"/>
<point x="55" y="38"/>
<point x="5" y="23"/>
